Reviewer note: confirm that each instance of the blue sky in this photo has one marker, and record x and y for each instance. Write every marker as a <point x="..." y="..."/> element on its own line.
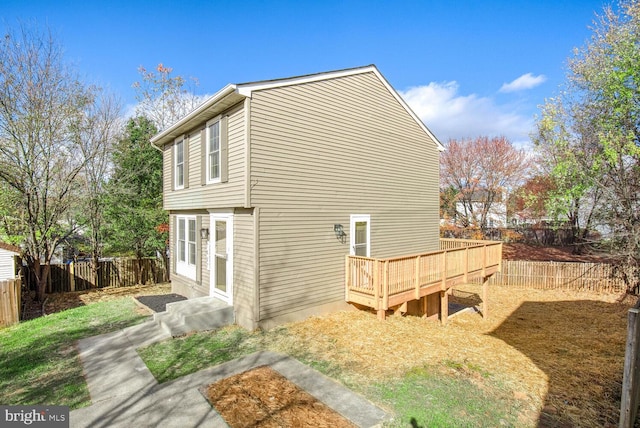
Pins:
<point x="467" y="68"/>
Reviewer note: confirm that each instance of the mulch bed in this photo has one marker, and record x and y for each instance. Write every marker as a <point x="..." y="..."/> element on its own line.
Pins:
<point x="262" y="397"/>
<point x="158" y="302"/>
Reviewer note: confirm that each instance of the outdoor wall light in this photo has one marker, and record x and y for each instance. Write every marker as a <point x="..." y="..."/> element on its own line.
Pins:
<point x="204" y="233"/>
<point x="339" y="231"/>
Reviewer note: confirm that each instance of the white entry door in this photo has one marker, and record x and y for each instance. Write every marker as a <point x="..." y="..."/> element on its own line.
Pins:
<point x="221" y="251"/>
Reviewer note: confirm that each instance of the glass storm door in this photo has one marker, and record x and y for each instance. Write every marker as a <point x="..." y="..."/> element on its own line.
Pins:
<point x="222" y="257"/>
<point x="360" y="235"/>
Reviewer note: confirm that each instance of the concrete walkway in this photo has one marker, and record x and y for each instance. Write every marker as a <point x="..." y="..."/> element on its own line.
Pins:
<point x="125" y="394"/>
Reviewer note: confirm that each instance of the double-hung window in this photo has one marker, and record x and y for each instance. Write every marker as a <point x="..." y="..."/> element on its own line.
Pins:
<point x="186" y="249"/>
<point x="178" y="166"/>
<point x="213" y="151"/>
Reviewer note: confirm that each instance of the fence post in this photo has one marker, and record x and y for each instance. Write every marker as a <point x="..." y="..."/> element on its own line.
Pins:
<point x="485" y="297"/>
<point x="630" y="384"/>
<point x="10" y="302"/>
<point x="72" y="276"/>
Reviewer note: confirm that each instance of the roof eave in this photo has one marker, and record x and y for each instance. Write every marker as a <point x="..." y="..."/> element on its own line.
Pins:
<point x="207" y="109"/>
<point x="200" y="114"/>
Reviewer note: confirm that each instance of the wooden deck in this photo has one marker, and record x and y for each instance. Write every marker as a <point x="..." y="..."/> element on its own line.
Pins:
<point x="421" y="280"/>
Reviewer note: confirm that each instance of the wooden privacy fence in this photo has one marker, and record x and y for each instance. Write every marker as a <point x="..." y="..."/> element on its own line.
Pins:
<point x="597" y="277"/>
<point x="119" y="272"/>
<point x="9" y="302"/>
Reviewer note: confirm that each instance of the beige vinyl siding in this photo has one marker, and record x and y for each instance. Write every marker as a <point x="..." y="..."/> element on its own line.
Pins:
<point x="243" y="268"/>
<point x="320" y="152"/>
<point x="301" y="261"/>
<point x="215" y="195"/>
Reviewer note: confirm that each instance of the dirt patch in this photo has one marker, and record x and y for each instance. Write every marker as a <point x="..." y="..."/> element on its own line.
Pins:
<point x="520" y="251"/>
<point x="57" y="302"/>
<point x="264" y="398"/>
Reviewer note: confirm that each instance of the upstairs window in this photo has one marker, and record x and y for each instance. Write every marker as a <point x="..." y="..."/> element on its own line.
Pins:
<point x="178" y="166"/>
<point x="213" y="152"/>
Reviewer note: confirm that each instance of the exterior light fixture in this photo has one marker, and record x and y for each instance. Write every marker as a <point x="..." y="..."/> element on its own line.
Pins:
<point x="204" y="233"/>
<point x="339" y="231"/>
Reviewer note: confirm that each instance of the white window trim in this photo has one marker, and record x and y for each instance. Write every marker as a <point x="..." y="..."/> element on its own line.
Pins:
<point x="211" y="180"/>
<point x="185" y="268"/>
<point x="178" y="140"/>
<point x="352" y="232"/>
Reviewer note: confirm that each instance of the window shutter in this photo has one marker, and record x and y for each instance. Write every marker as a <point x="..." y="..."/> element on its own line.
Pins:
<point x="224" y="149"/>
<point x="173" y="248"/>
<point x="185" y="147"/>
<point x="198" y="250"/>
<point x="204" y="174"/>
<point x="172" y="160"/>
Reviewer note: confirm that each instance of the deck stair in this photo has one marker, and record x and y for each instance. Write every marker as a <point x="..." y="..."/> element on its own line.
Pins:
<point x="199" y="314"/>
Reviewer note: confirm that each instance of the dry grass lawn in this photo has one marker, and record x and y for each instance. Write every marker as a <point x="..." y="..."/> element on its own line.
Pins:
<point x="560" y="353"/>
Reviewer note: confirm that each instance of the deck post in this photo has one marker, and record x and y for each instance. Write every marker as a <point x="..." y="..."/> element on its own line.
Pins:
<point x="485" y="297"/>
<point x="444" y="269"/>
<point x="347" y="278"/>
<point x="377" y="296"/>
<point x="385" y="290"/>
<point x="444" y="307"/>
<point x="417" y="277"/>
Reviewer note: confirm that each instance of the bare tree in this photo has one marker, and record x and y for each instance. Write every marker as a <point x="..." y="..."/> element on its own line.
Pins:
<point x="163" y="98"/>
<point x="481" y="171"/>
<point x="101" y="130"/>
<point x="43" y="107"/>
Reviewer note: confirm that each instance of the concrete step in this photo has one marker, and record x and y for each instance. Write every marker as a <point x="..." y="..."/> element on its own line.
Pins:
<point x="204" y="313"/>
<point x="198" y="304"/>
<point x="172" y="324"/>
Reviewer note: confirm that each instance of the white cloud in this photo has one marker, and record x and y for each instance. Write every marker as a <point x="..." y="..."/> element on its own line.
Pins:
<point x="449" y="114"/>
<point x="526" y="81"/>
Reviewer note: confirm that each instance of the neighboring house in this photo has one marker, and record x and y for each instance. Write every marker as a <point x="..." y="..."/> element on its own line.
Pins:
<point x="270" y="184"/>
<point x="8" y="254"/>
<point x="472" y="210"/>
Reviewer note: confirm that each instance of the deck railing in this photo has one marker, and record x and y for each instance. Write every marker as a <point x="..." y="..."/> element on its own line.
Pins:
<point x="384" y="283"/>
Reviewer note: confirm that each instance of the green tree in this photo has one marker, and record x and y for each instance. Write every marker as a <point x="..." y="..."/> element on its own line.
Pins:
<point x="134" y="214"/>
<point x="593" y="128"/>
